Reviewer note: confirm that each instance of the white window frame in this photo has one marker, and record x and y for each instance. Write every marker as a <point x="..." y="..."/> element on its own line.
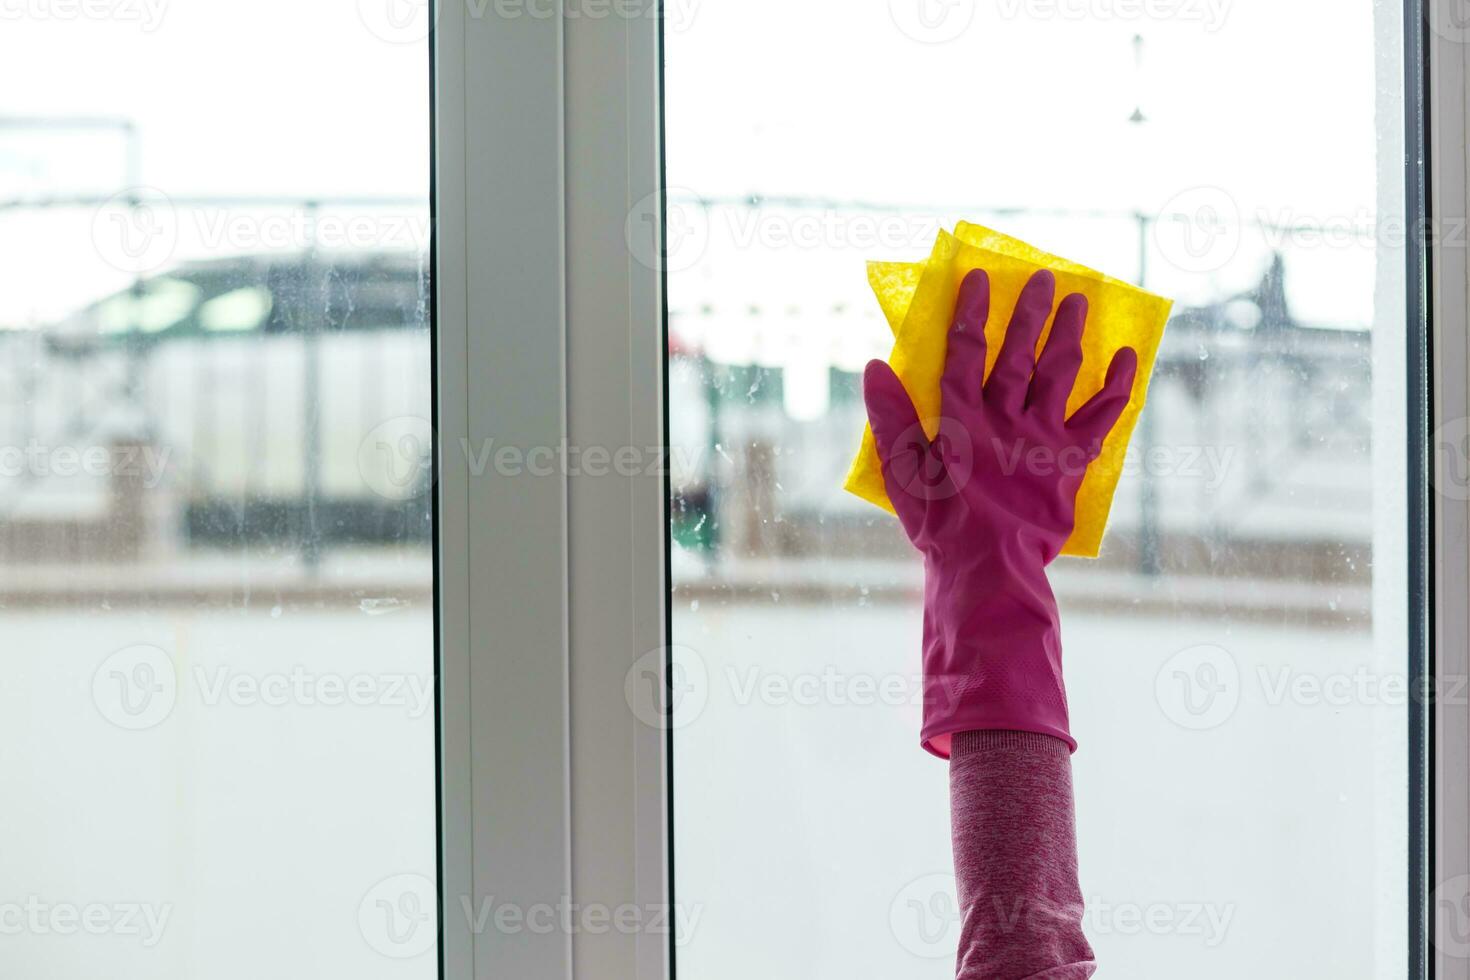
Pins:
<point x="1448" y="861"/>
<point x="549" y="332"/>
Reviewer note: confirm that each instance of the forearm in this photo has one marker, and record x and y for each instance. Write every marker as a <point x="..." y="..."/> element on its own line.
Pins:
<point x="1015" y="855"/>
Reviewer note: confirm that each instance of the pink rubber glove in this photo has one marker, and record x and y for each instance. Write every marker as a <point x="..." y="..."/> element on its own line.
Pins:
<point x="989" y="502"/>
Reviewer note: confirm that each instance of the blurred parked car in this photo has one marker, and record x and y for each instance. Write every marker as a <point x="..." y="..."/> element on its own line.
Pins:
<point x="262" y="379"/>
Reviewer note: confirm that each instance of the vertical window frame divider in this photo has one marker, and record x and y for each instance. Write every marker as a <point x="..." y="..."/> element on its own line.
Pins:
<point x="552" y="589"/>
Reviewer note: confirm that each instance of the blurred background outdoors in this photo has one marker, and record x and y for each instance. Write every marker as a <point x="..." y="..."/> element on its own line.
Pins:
<point x="216" y="374"/>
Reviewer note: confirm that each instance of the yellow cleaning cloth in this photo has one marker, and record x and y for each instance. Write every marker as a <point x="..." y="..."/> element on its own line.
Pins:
<point x="918" y="300"/>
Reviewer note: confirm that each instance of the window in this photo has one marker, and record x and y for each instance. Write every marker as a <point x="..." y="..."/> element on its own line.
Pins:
<point x="1237" y="659"/>
<point x="216" y="587"/>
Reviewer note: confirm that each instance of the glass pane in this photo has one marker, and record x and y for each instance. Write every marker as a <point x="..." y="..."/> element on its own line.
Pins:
<point x="217" y="724"/>
<point x="1235" y="659"/>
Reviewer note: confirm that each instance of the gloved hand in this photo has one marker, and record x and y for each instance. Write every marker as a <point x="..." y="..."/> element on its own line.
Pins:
<point x="989" y="502"/>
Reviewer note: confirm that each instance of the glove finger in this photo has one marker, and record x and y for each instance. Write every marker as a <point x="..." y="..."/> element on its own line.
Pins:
<point x="1011" y="376"/>
<point x="1056" y="368"/>
<point x="896" y="430"/>
<point x="963" y="382"/>
<point x="1091" y="423"/>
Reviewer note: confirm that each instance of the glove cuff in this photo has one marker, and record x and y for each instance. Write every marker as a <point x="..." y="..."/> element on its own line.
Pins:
<point x="991" y="740"/>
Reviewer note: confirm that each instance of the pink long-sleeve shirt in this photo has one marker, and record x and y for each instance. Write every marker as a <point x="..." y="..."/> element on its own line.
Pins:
<point x="1015" y="856"/>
